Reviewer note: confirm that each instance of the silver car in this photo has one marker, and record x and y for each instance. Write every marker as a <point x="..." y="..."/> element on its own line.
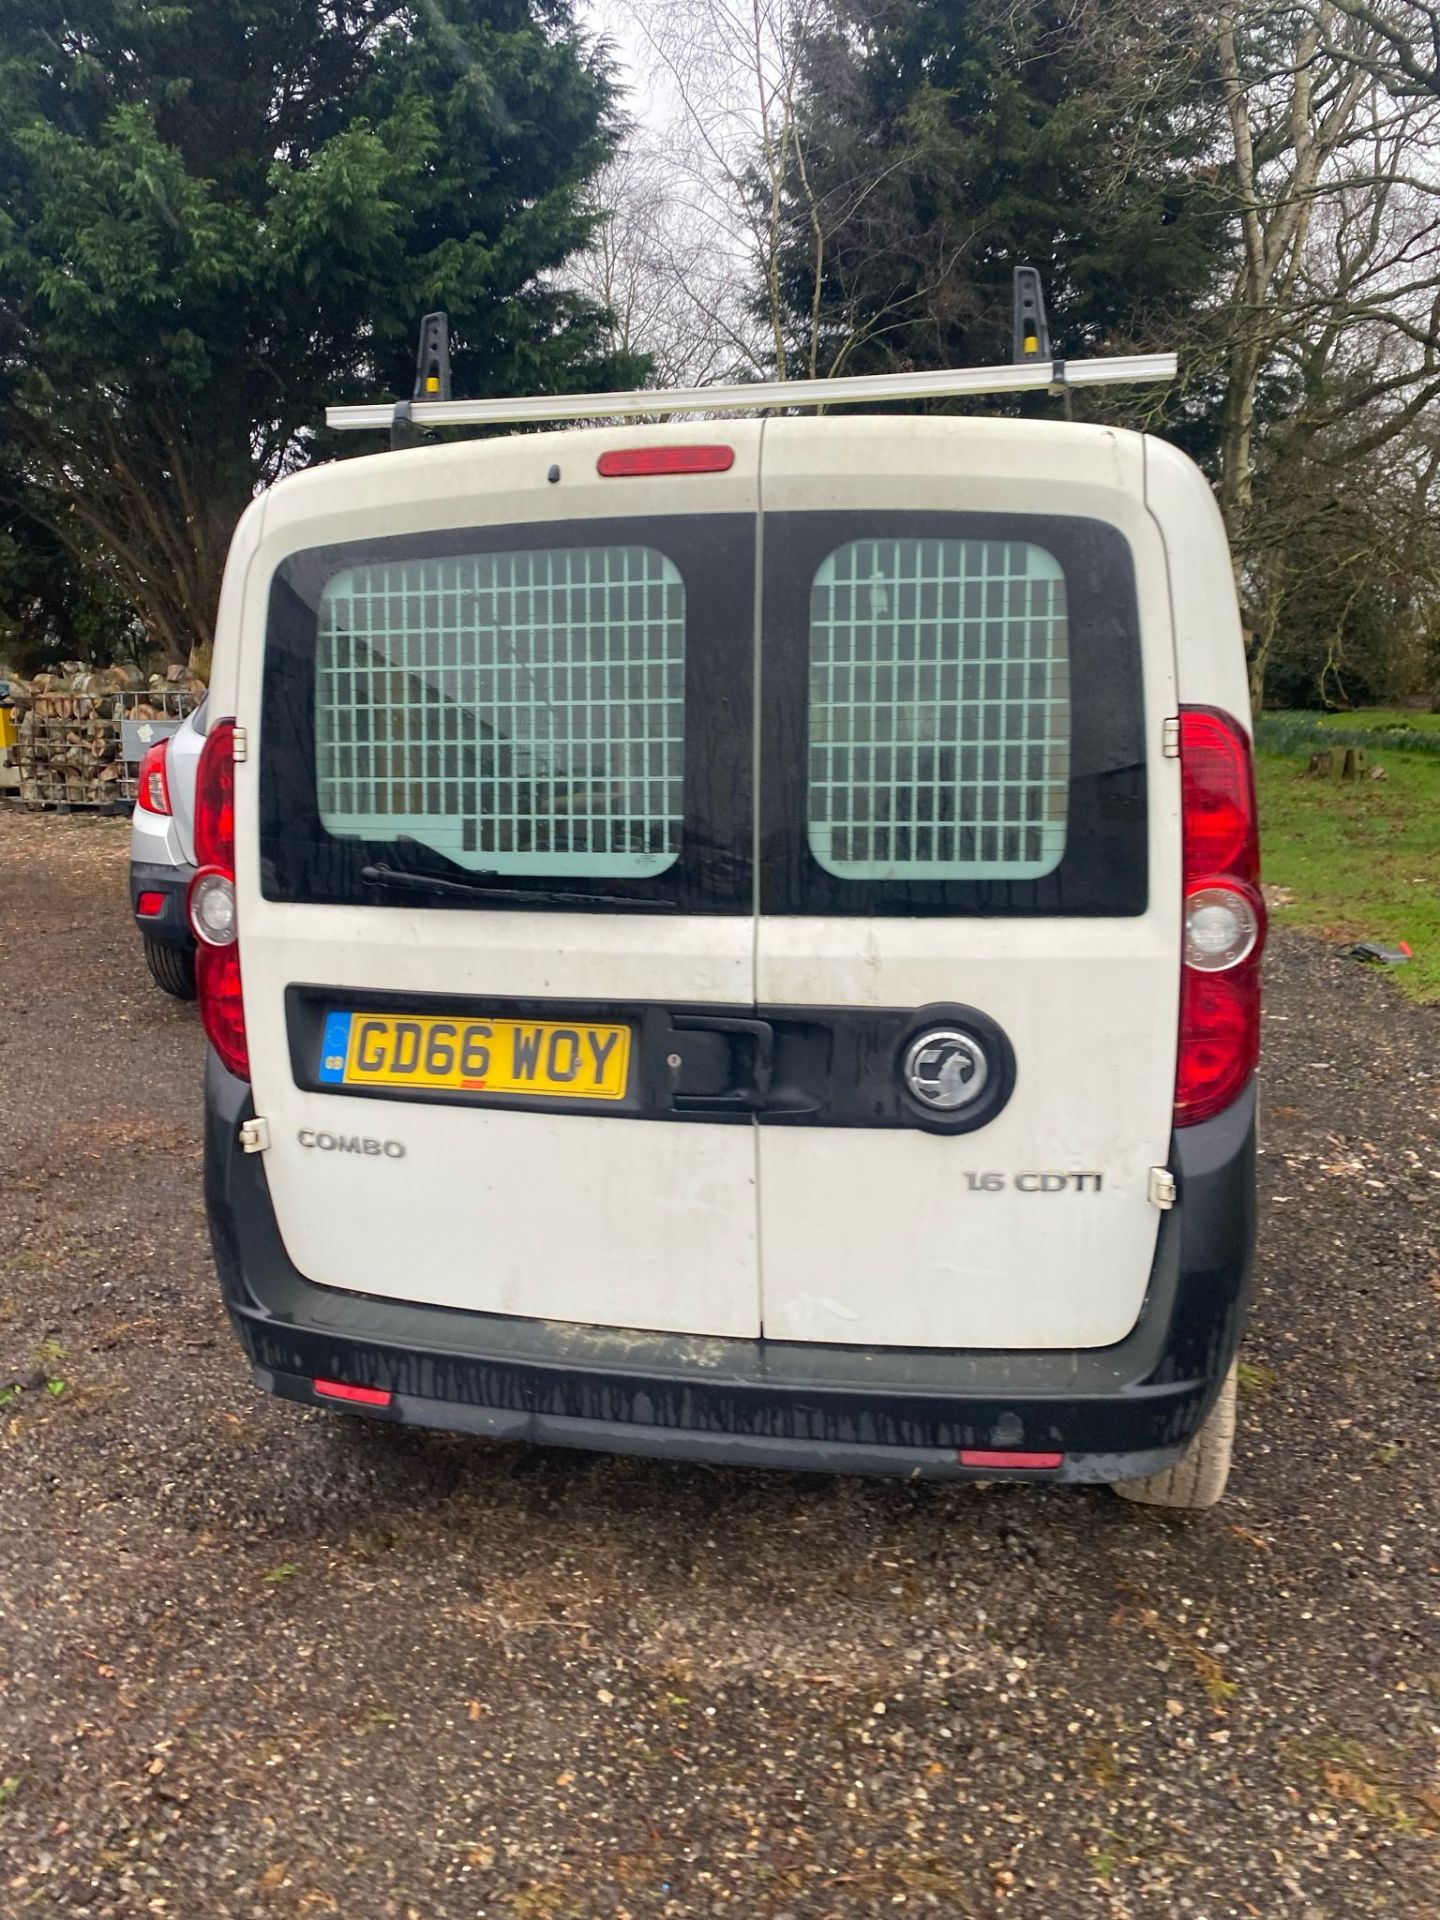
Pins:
<point x="162" y="854"/>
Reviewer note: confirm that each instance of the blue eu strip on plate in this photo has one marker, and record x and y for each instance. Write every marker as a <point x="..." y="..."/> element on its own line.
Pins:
<point x="335" y="1048"/>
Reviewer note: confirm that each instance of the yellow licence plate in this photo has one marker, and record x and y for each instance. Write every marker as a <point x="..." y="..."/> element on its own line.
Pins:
<point x="571" y="1059"/>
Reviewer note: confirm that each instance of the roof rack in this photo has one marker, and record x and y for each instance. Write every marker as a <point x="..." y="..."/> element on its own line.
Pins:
<point x="1034" y="371"/>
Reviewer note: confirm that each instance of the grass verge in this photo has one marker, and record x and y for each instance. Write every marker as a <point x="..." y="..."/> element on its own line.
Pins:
<point x="1377" y="728"/>
<point x="1359" y="859"/>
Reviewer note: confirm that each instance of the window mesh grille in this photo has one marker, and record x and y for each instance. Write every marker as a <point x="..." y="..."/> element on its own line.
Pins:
<point x="519" y="712"/>
<point x="939" y="711"/>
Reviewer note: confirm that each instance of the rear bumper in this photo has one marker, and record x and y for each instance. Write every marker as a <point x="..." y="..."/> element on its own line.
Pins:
<point x="170" y="927"/>
<point x="1114" y="1413"/>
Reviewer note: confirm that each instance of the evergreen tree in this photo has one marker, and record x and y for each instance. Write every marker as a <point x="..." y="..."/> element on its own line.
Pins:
<point x="940" y="143"/>
<point x="216" y="216"/>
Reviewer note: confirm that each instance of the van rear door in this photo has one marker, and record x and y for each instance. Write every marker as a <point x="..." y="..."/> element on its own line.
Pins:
<point x="496" y="880"/>
<point x="970" y="867"/>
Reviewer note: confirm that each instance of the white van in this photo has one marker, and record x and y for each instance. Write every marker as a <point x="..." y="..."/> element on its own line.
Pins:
<point x="748" y="946"/>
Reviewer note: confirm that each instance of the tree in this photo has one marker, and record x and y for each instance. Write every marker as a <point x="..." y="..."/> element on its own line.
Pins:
<point x="652" y="266"/>
<point x="216" y="217"/>
<point x="1332" y="319"/>
<point x="1321" y="158"/>
<point x="54" y="606"/>
<point x="1245" y="181"/>
<point x="1343" y="568"/>
<point x="730" y="71"/>
<point x="945" y="141"/>
<point x="1405" y="50"/>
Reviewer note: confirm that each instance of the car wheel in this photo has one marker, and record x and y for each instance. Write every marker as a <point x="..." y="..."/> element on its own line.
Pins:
<point x="1198" y="1477"/>
<point x="172" y="969"/>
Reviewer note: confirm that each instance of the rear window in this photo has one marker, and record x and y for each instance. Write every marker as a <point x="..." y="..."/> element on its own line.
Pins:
<point x="939" y="711"/>
<point x="952" y="717"/>
<point x="519" y="712"/>
<point x="541" y="715"/>
<point x="934" y="714"/>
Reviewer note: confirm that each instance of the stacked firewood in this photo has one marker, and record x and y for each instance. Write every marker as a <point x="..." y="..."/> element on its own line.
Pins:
<point x="70" y="745"/>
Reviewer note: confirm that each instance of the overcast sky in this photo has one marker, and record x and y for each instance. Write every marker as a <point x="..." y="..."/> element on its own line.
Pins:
<point x="616" y="22"/>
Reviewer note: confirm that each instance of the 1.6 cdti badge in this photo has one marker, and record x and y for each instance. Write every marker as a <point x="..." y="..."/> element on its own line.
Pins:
<point x="946" y="1070"/>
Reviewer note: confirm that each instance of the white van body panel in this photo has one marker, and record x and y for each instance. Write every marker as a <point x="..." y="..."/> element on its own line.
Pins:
<point x="558" y="1216"/>
<point x="1209" y="643"/>
<point x="240" y="596"/>
<point x="855" y="1235"/>
<point x="877" y="1238"/>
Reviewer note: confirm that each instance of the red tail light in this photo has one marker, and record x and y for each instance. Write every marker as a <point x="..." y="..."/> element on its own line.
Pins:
<point x="1224" y="929"/>
<point x="217" y="959"/>
<point x="628" y="461"/>
<point x="215" y="799"/>
<point x="222" y="1010"/>
<point x="150" y="905"/>
<point x="153" y="794"/>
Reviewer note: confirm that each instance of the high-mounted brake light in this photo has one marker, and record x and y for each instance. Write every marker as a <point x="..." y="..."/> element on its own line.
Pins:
<point x="628" y="461"/>
<point x="211" y="902"/>
<point x="1224" y="930"/>
<point x="153" y="788"/>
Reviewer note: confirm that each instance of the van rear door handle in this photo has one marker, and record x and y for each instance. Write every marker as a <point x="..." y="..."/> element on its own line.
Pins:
<point x="749" y="1096"/>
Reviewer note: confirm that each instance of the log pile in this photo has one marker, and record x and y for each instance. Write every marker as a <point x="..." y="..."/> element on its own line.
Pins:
<point x="70" y="729"/>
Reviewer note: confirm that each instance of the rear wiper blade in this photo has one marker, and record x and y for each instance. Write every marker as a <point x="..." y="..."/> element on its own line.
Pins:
<point x="397" y="881"/>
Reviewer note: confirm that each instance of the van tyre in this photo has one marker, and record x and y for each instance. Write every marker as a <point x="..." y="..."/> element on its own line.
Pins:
<point x="1198" y="1477"/>
<point x="172" y="969"/>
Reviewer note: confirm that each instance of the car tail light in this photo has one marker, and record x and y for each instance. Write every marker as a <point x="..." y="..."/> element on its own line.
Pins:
<point x="153" y="794"/>
<point x="211" y="902"/>
<point x="215" y="799"/>
<point x="628" y="461"/>
<point x="1224" y="930"/>
<point x="150" y="906"/>
<point x="212" y="907"/>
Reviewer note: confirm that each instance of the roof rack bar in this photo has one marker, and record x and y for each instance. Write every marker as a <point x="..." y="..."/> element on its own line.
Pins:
<point x="1054" y="376"/>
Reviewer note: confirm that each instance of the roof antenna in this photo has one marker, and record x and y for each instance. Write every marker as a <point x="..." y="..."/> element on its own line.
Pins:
<point x="1030" y="331"/>
<point x="432" y="379"/>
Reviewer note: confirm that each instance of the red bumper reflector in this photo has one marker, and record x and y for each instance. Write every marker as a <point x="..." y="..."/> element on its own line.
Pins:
<point x="149" y="905"/>
<point x="992" y="1457"/>
<point x="628" y="461"/>
<point x="362" y="1396"/>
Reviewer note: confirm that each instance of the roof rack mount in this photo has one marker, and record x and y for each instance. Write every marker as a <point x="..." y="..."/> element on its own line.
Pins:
<point x="1031" y="376"/>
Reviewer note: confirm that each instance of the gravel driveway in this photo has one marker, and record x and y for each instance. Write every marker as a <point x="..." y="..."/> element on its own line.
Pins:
<point x="261" y="1662"/>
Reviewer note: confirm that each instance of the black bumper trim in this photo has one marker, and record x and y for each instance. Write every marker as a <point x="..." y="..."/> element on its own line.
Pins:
<point x="1116" y="1412"/>
<point x="715" y="1449"/>
<point x="170" y="927"/>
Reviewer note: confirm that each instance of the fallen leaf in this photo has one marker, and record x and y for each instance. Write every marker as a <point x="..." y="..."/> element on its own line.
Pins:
<point x="1250" y="1539"/>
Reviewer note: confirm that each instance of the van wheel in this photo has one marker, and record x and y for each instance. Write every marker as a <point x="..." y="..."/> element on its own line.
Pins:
<point x="1198" y="1477"/>
<point x="172" y="969"/>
